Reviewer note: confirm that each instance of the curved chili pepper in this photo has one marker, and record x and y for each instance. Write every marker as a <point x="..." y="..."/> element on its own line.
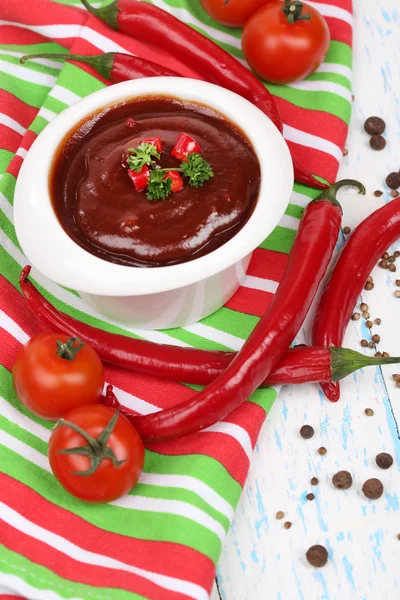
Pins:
<point x="298" y="365"/>
<point x="114" y="66"/>
<point x="153" y="25"/>
<point x="270" y="339"/>
<point x="359" y="255"/>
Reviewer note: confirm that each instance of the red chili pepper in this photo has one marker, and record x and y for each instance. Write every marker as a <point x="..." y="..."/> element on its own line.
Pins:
<point x="114" y="66"/>
<point x="141" y="179"/>
<point x="130" y="122"/>
<point x="155" y="141"/>
<point x="184" y="146"/>
<point x="266" y="345"/>
<point x="358" y="257"/>
<point x="299" y="365"/>
<point x="153" y="25"/>
<point x="177" y="181"/>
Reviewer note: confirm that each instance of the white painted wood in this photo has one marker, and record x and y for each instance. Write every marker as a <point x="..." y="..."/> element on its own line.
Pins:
<point x="261" y="560"/>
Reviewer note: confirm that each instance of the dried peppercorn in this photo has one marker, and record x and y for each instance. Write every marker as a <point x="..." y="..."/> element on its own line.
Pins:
<point x="393" y="180"/>
<point x="376" y="338"/>
<point x="377" y="142"/>
<point x="384" y="460"/>
<point x="280" y="514"/>
<point x="317" y="556"/>
<point x="378" y="193"/>
<point x="369" y="412"/>
<point x="306" y="432"/>
<point x="392" y="268"/>
<point x="391" y="259"/>
<point x="310" y="496"/>
<point x="346" y="230"/>
<point x="394" y="194"/>
<point x="369" y="286"/>
<point x="287" y="524"/>
<point x="342" y="480"/>
<point x="383" y="264"/>
<point x="364" y="343"/>
<point x="363" y="306"/>
<point x="322" y="451"/>
<point x="369" y="324"/>
<point x="398" y="282"/>
<point x="314" y="481"/>
<point x="374" y="125"/>
<point x="397" y="294"/>
<point x="385" y="256"/>
<point x="355" y="316"/>
<point x="377" y="321"/>
<point x="366" y="315"/>
<point x="373" y="488"/>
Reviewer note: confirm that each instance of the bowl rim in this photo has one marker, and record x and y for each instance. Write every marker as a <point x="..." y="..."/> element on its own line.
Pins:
<point x="62" y="260"/>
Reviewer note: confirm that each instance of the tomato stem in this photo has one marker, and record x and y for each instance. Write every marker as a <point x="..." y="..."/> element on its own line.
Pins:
<point x="294" y="11"/>
<point x="97" y="448"/>
<point x="67" y="350"/>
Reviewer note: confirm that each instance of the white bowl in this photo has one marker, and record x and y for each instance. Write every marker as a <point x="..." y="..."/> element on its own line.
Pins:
<point x="161" y="297"/>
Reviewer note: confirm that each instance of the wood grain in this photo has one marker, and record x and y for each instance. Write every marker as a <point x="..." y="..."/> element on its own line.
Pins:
<point x="262" y="560"/>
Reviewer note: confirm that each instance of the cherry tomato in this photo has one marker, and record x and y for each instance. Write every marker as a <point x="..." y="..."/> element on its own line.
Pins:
<point x="282" y="47"/>
<point x="96" y="454"/>
<point x="233" y="13"/>
<point x="53" y="374"/>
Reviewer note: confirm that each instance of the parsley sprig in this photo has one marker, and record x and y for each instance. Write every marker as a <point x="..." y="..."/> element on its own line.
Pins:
<point x="142" y="155"/>
<point x="195" y="168"/>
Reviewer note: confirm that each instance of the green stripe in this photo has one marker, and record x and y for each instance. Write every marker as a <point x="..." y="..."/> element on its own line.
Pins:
<point x="332" y="77"/>
<point x="7" y="186"/>
<point x="130" y="522"/>
<point x="5" y="158"/>
<point x="45" y="47"/>
<point x="23" y="435"/>
<point x="41" y="578"/>
<point x="323" y="101"/>
<point x="30" y="65"/>
<point x="339" y="53"/>
<point x="32" y="94"/>
<point x="293" y="210"/>
<point x="280" y="240"/>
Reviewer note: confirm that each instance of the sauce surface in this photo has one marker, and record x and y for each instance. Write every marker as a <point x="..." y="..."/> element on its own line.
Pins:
<point x="99" y="208"/>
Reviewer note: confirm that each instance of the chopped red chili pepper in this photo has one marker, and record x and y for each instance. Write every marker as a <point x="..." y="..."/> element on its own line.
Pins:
<point x="177" y="181"/>
<point x="141" y="179"/>
<point x="130" y="122"/>
<point x="155" y="141"/>
<point x="184" y="146"/>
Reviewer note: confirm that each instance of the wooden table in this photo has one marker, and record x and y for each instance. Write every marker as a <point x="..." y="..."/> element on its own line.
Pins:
<point x="261" y="560"/>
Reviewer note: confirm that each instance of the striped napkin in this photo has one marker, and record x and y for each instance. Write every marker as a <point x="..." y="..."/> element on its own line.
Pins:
<point x="163" y="540"/>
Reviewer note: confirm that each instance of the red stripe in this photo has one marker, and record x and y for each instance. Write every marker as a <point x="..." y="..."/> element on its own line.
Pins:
<point x="11" y="34"/>
<point x="340" y="30"/>
<point x="183" y="562"/>
<point x="62" y="565"/>
<point x="316" y="122"/>
<point x="17" y="109"/>
<point x="42" y="12"/>
<point x="15" y="165"/>
<point x="9" y="139"/>
<point x="250" y="302"/>
<point x="317" y="162"/>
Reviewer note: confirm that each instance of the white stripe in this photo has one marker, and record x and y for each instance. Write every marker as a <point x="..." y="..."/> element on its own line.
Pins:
<point x="333" y="11"/>
<point x="27" y="452"/>
<point x="100" y="41"/>
<point x="289" y="222"/>
<point x="308" y="85"/>
<point x="6" y="207"/>
<point x="299" y="199"/>
<point x="50" y="31"/>
<point x="235" y="431"/>
<point x="14" y="416"/>
<point x="13" y="328"/>
<point x="47" y="114"/>
<point x="64" y="95"/>
<point x="21" y="152"/>
<point x="11" y="123"/>
<point x="27" y="74"/>
<point x="11" y="584"/>
<point x="335" y="68"/>
<point x="75" y="552"/>
<point x="46" y="62"/>
<point x="171" y="507"/>
<point x="312" y="141"/>
<point x="201" y="489"/>
<point x="221" y="337"/>
<point x="134" y="403"/>
<point x="258" y="283"/>
<point x="184" y="15"/>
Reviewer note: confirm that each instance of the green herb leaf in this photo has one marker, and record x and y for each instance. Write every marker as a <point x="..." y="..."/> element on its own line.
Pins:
<point x="142" y="155"/>
<point x="158" y="188"/>
<point x="197" y="169"/>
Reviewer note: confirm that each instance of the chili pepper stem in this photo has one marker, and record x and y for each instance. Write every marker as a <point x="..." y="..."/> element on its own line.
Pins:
<point x="106" y="13"/>
<point x="67" y="350"/>
<point x="102" y="63"/>
<point x="97" y="449"/>
<point x="294" y="11"/>
<point x="346" y="361"/>
<point x="330" y="193"/>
